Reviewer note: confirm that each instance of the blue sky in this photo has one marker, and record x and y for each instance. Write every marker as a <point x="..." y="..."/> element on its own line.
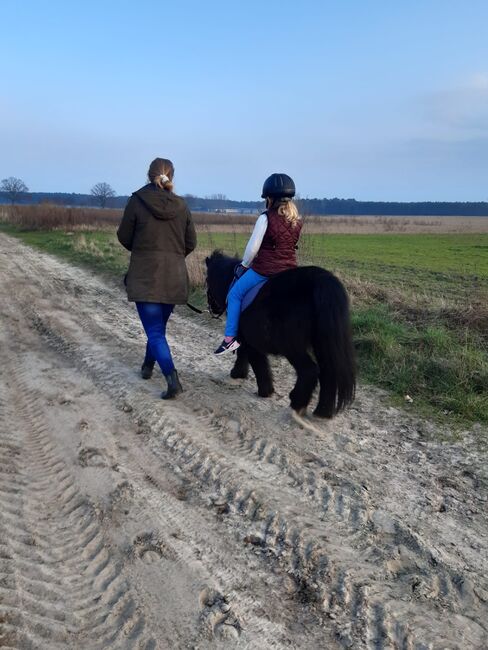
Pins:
<point x="363" y="99"/>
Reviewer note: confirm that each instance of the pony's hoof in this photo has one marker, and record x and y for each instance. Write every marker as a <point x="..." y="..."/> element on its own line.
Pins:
<point x="265" y="393"/>
<point x="322" y="413"/>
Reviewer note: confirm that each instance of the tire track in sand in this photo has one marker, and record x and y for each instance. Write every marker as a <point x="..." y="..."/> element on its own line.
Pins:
<point x="69" y="592"/>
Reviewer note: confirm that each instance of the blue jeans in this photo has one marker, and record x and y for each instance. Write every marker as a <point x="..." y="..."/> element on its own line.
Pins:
<point x="154" y="316"/>
<point x="247" y="281"/>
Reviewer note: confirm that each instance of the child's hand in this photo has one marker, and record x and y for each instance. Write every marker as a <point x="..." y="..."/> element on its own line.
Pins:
<point x="239" y="271"/>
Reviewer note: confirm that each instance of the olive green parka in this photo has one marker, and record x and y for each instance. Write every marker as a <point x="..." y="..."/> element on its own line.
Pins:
<point x="158" y="230"/>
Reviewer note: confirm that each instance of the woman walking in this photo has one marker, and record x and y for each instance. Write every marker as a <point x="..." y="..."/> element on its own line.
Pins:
<point x="270" y="250"/>
<point x="158" y="230"/>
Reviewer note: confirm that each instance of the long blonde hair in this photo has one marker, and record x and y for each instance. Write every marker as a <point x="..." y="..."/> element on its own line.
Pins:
<point x="157" y="169"/>
<point x="286" y="208"/>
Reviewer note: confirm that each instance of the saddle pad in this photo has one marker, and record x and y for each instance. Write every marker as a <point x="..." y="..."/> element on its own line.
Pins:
<point x="251" y="294"/>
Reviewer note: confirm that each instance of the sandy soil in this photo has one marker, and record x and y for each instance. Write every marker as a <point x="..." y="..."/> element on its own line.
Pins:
<point x="214" y="521"/>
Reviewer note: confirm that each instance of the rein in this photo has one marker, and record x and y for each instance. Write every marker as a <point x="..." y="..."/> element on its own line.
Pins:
<point x="203" y="311"/>
<point x="212" y="304"/>
<point x="195" y="309"/>
<point x="209" y="310"/>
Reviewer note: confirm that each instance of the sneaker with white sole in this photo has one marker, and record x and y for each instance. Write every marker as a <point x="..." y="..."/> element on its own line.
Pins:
<point x="227" y="346"/>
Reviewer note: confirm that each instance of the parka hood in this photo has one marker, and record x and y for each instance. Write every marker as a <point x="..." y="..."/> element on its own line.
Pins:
<point x="161" y="203"/>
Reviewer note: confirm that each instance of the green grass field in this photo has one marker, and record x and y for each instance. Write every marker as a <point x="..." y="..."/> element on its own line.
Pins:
<point x="419" y="306"/>
<point x="454" y="263"/>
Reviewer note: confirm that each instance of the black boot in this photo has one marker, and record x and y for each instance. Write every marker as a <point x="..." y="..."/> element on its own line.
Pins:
<point x="174" y="386"/>
<point x="148" y="363"/>
<point x="147" y="369"/>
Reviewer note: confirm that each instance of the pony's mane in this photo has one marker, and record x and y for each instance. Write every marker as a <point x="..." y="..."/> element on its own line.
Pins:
<point x="219" y="261"/>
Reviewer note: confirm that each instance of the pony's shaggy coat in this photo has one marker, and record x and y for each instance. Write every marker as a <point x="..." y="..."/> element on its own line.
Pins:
<point x="303" y="315"/>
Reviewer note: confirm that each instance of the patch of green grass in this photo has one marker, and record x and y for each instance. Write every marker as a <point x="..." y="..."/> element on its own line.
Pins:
<point x="438" y="369"/>
<point x="459" y="254"/>
<point x="455" y="265"/>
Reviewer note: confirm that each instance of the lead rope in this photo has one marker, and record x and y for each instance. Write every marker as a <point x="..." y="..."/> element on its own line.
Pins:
<point x="196" y="310"/>
<point x="202" y="311"/>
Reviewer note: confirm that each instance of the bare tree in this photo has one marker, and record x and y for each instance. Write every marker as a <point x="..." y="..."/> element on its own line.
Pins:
<point x="218" y="197"/>
<point x="13" y="188"/>
<point x="102" y="192"/>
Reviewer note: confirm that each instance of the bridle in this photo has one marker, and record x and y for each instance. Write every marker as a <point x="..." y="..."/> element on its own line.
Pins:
<point x="213" y="306"/>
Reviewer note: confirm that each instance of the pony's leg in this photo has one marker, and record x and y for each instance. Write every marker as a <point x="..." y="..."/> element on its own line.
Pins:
<point x="241" y="366"/>
<point x="326" y="406"/>
<point x="260" y="365"/>
<point x="307" y="378"/>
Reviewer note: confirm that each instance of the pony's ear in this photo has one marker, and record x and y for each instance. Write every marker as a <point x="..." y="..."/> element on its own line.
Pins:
<point x="213" y="256"/>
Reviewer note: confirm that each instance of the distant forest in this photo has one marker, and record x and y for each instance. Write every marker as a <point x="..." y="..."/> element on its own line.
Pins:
<point x="306" y="206"/>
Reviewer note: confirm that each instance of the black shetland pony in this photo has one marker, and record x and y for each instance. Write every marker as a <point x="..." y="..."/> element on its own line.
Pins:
<point x="301" y="314"/>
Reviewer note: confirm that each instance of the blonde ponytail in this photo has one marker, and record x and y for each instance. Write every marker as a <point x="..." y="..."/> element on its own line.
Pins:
<point x="288" y="210"/>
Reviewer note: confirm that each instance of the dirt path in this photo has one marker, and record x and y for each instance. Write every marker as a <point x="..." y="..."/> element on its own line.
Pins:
<point x="213" y="521"/>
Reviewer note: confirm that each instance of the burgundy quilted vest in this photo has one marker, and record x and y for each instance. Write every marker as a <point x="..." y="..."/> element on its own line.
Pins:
<point x="277" y="251"/>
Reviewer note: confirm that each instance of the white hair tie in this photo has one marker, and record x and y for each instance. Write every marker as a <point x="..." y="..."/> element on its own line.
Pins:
<point x="164" y="178"/>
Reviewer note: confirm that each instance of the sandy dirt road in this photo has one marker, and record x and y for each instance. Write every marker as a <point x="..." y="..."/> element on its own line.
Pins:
<point x="214" y="521"/>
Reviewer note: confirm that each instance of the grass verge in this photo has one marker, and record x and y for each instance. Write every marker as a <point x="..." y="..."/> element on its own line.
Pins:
<point x="444" y="371"/>
<point x="97" y="250"/>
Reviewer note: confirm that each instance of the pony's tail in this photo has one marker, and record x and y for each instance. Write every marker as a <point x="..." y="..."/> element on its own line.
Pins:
<point x="333" y="346"/>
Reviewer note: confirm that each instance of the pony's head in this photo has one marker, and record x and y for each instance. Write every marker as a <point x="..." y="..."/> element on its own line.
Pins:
<point x="220" y="273"/>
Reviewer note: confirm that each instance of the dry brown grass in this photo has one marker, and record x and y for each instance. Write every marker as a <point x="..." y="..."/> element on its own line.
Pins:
<point x="359" y="225"/>
<point x="195" y="263"/>
<point x="461" y="313"/>
<point x="217" y="220"/>
<point x="49" y="216"/>
<point x="385" y="224"/>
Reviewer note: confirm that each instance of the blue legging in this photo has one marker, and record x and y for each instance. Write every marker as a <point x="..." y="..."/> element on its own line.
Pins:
<point x="154" y="316"/>
<point x="247" y="281"/>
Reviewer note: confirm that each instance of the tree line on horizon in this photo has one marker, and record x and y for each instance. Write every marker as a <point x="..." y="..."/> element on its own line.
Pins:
<point x="13" y="190"/>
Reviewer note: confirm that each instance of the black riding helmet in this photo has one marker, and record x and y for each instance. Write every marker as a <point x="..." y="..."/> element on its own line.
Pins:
<point x="278" y="186"/>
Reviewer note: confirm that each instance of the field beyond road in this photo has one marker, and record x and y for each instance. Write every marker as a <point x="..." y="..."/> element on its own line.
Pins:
<point x="358" y="225"/>
<point x="413" y="260"/>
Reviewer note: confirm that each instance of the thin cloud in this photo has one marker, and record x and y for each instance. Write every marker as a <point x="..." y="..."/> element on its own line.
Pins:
<point x="460" y="109"/>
